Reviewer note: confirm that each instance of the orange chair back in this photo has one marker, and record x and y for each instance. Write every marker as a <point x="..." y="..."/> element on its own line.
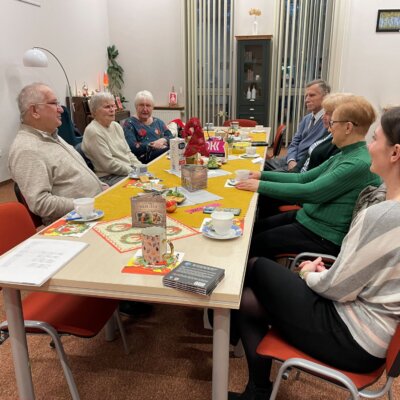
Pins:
<point x="246" y="123"/>
<point x="276" y="149"/>
<point x="15" y="225"/>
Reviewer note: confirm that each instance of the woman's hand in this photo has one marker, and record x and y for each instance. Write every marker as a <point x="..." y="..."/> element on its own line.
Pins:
<point x="313" y="266"/>
<point x="159" y="144"/>
<point x="255" y="175"/>
<point x="249" y="184"/>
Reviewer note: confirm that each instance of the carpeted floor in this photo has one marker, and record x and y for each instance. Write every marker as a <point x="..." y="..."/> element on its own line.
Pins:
<point x="170" y="359"/>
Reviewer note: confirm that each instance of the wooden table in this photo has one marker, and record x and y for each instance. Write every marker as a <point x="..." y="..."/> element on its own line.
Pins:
<point x="97" y="272"/>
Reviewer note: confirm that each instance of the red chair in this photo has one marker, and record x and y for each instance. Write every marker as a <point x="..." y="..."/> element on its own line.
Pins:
<point x="278" y="140"/>
<point x="273" y="346"/>
<point x="245" y="123"/>
<point x="55" y="314"/>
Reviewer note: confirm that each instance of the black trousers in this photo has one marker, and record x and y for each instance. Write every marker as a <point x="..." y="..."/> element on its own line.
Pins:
<point x="282" y="234"/>
<point x="307" y="320"/>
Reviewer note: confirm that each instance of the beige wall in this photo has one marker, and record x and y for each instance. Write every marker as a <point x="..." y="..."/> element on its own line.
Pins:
<point x="368" y="61"/>
<point x="75" y="31"/>
<point x="150" y="38"/>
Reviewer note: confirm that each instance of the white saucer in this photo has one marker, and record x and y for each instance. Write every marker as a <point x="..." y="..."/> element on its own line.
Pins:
<point x="249" y="156"/>
<point x="74" y="216"/>
<point x="234" y="232"/>
<point x="232" y="182"/>
<point x="258" y="130"/>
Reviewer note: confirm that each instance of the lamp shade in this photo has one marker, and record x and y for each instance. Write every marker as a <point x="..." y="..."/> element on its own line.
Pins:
<point x="35" y="58"/>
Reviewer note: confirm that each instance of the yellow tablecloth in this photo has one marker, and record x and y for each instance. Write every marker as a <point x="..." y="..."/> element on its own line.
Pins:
<point x="116" y="202"/>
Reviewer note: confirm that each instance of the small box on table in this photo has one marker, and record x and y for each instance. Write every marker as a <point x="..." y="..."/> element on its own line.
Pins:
<point x="176" y="150"/>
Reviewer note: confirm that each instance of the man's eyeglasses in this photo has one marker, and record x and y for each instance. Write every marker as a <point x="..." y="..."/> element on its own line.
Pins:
<point x="331" y="123"/>
<point x="50" y="103"/>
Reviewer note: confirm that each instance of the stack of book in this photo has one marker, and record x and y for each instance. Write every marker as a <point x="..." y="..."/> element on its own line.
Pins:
<point x="193" y="277"/>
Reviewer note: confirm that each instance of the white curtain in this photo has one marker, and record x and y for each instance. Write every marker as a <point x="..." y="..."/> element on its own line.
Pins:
<point x="301" y="54"/>
<point x="209" y="59"/>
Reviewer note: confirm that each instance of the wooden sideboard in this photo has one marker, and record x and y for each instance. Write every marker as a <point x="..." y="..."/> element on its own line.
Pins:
<point x="82" y="116"/>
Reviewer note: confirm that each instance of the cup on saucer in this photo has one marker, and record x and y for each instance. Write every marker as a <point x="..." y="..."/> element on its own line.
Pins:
<point x="222" y="222"/>
<point x="84" y="206"/>
<point x="259" y="127"/>
<point x="242" y="174"/>
<point x="250" y="151"/>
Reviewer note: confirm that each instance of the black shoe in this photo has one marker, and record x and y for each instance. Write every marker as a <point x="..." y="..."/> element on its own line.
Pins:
<point x="134" y="308"/>
<point x="252" y="393"/>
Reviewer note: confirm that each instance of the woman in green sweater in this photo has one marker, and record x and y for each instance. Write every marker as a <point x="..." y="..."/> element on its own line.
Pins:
<point x="327" y="193"/>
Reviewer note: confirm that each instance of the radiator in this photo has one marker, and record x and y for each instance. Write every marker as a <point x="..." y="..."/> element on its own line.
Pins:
<point x="167" y="115"/>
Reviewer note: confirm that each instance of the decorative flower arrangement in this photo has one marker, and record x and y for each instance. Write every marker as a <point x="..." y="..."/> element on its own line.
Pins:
<point x="194" y="136"/>
<point x="255" y="11"/>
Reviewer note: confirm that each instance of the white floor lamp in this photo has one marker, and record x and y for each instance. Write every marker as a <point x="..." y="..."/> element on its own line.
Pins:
<point x="36" y="58"/>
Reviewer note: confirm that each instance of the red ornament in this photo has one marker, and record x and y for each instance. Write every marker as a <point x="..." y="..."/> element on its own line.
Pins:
<point x="197" y="142"/>
<point x="171" y="206"/>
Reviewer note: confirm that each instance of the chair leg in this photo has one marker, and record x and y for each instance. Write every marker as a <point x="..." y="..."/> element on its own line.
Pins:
<point x="121" y="331"/>
<point x="109" y="329"/>
<point x="61" y="354"/>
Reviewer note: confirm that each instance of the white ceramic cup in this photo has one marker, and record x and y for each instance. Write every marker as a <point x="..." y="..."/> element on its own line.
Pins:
<point x="222" y="222"/>
<point x="251" y="151"/>
<point x="244" y="135"/>
<point x="242" y="174"/>
<point x="259" y="127"/>
<point x="84" y="206"/>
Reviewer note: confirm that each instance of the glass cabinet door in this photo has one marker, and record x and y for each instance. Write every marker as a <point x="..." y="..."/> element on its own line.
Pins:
<point x="253" y="74"/>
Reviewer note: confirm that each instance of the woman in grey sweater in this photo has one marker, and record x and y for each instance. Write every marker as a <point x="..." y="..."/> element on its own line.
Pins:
<point x="344" y="316"/>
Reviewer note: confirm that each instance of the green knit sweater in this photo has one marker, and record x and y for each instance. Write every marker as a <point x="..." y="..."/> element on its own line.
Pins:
<point x="327" y="193"/>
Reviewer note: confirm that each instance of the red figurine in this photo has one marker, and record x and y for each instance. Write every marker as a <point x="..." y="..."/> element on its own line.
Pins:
<point x="193" y="133"/>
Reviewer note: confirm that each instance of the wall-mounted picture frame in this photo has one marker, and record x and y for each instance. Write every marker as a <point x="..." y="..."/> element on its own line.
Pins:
<point x="388" y="21"/>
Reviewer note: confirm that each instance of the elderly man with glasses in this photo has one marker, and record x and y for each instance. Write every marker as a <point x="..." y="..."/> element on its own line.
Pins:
<point x="310" y="129"/>
<point x="49" y="172"/>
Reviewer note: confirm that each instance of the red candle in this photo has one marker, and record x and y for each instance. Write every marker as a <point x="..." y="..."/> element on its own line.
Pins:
<point x="105" y="79"/>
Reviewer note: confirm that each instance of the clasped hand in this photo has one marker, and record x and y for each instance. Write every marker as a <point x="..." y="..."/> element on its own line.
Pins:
<point x="313" y="266"/>
<point x="159" y="144"/>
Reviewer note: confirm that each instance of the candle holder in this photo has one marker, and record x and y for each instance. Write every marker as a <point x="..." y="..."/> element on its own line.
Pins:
<point x="194" y="177"/>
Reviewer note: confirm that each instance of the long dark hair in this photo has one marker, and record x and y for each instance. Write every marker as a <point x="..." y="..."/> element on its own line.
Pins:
<point x="390" y="123"/>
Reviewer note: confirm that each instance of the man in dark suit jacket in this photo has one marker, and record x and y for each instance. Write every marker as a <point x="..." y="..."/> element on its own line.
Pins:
<point x="309" y="130"/>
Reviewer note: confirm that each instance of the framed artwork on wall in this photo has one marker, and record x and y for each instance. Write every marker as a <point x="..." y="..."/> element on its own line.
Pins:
<point x="388" y="21"/>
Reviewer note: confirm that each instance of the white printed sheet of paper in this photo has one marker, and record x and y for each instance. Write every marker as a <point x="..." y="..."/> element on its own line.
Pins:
<point x="37" y="260"/>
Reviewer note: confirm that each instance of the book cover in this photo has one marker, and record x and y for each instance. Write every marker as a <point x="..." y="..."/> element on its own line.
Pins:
<point x="194" y="277"/>
<point x="148" y="210"/>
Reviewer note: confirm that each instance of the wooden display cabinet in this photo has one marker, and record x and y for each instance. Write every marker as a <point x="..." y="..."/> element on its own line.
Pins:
<point x="253" y="77"/>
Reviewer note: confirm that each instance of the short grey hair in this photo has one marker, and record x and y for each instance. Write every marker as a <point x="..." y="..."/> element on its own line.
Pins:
<point x="30" y="94"/>
<point x="323" y="85"/>
<point x="144" y="95"/>
<point x="97" y="100"/>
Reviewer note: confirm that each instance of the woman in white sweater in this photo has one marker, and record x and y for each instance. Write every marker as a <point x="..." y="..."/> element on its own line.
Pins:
<point x="346" y="315"/>
<point x="104" y="141"/>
